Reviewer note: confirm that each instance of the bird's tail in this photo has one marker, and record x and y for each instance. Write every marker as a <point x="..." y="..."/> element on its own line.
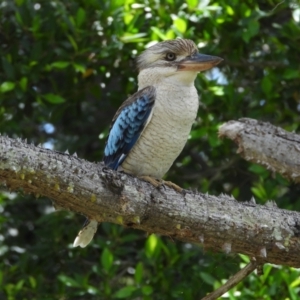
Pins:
<point x="86" y="234"/>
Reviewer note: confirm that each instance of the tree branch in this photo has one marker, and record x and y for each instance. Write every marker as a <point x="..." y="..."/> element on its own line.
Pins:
<point x="267" y="145"/>
<point x="219" y="223"/>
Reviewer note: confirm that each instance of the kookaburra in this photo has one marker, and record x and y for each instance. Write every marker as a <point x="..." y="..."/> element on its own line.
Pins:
<point x="151" y="127"/>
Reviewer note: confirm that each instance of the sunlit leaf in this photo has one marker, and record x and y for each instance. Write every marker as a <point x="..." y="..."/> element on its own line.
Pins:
<point x="192" y="3"/>
<point x="180" y="24"/>
<point x="170" y="34"/>
<point x="159" y="33"/>
<point x="229" y="10"/>
<point x="260" y="192"/>
<point x="7" y="86"/>
<point x="133" y="37"/>
<point x="295" y="283"/>
<point x="128" y="17"/>
<point x="151" y="245"/>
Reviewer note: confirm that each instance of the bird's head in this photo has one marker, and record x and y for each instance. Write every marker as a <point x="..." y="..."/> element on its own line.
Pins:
<point x="177" y="60"/>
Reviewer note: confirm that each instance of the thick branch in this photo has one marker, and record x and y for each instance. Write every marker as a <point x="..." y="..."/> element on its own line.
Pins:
<point x="219" y="223"/>
<point x="265" y="144"/>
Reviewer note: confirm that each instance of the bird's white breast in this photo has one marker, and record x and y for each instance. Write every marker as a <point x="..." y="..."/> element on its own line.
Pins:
<point x="164" y="137"/>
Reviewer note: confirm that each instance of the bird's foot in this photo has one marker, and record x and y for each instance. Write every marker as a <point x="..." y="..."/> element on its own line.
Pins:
<point x="155" y="182"/>
<point x="173" y="186"/>
<point x="159" y="183"/>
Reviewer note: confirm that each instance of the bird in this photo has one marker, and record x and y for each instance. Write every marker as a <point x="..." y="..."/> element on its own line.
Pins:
<point x="152" y="126"/>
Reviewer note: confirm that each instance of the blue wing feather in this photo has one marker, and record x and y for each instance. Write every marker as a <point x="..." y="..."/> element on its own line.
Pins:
<point x="127" y="126"/>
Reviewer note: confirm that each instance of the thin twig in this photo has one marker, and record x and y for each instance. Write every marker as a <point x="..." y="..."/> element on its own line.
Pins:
<point x="276" y="6"/>
<point x="233" y="281"/>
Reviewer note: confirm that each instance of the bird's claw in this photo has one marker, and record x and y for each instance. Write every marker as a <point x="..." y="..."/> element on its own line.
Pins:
<point x="173" y="186"/>
<point x="158" y="183"/>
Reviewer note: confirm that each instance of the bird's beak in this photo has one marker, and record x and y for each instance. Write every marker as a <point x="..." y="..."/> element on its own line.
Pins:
<point x="198" y="62"/>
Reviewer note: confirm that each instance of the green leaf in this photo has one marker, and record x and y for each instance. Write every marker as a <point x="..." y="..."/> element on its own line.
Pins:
<point x="33" y="63"/>
<point x="260" y="170"/>
<point x="260" y="192"/>
<point x="33" y="282"/>
<point x="68" y="281"/>
<point x="295" y="283"/>
<point x="7" y="86"/>
<point x="60" y="64"/>
<point x="138" y="275"/>
<point x="217" y="90"/>
<point x="19" y="18"/>
<point x="251" y="31"/>
<point x="133" y="38"/>
<point x="266" y="271"/>
<point x="36" y="23"/>
<point x="253" y="27"/>
<point x="159" y="33"/>
<point x="79" y="68"/>
<point x="80" y="16"/>
<point x="180" y="24"/>
<point x="245" y="258"/>
<point x="19" y="2"/>
<point x="107" y="259"/>
<point x="291" y="74"/>
<point x="266" y="85"/>
<point x="192" y="3"/>
<point x="208" y="278"/>
<point x="72" y="42"/>
<point x="147" y="290"/>
<point x="151" y="245"/>
<point x="170" y="34"/>
<point x="125" y="292"/>
<point x="128" y="17"/>
<point x="55" y="99"/>
<point x="23" y="83"/>
<point x="19" y="285"/>
<point x="245" y="10"/>
<point x="229" y="10"/>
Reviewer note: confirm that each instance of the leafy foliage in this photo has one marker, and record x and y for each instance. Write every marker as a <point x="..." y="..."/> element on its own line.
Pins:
<point x="65" y="68"/>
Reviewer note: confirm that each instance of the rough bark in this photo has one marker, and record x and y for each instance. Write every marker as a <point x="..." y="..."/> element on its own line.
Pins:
<point x="218" y="223"/>
<point x="265" y="144"/>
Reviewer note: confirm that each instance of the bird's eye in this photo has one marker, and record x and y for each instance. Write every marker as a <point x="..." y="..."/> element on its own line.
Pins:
<point x="170" y="56"/>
